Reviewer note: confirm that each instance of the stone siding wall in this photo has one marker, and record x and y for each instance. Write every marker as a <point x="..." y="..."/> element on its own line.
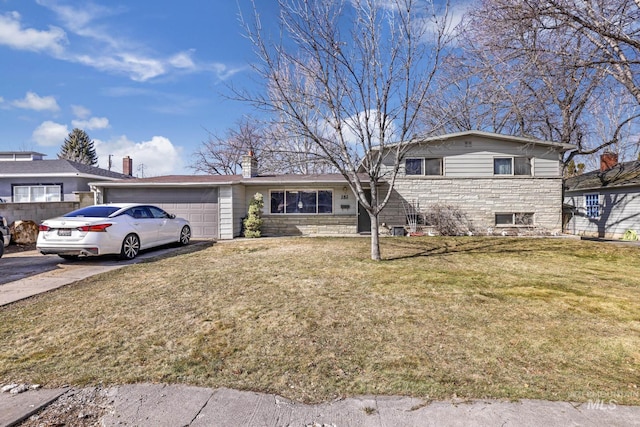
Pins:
<point x="481" y="199"/>
<point x="309" y="225"/>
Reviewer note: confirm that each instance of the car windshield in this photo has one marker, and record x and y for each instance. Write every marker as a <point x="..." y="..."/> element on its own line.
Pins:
<point x="93" y="212"/>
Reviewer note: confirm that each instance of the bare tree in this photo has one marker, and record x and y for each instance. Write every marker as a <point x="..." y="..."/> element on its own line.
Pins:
<point x="289" y="154"/>
<point x="608" y="111"/>
<point x="222" y="155"/>
<point x="611" y="27"/>
<point x="277" y="152"/>
<point x="532" y="70"/>
<point x="351" y="76"/>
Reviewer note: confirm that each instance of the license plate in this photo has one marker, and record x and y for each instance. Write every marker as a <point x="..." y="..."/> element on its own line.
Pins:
<point x="64" y="232"/>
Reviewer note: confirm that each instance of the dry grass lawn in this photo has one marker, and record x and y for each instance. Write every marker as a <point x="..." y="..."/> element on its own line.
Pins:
<point x="313" y="319"/>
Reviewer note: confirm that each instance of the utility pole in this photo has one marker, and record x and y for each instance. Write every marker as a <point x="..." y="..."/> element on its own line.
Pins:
<point x="110" y="156"/>
<point x="141" y="169"/>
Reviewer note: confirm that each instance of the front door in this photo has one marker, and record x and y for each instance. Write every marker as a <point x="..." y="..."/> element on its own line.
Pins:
<point x="364" y="221"/>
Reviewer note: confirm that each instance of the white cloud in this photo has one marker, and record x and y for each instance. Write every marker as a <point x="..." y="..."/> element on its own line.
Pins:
<point x="33" y="101"/>
<point x="91" y="124"/>
<point x="182" y="60"/>
<point x="157" y="156"/>
<point x="13" y="35"/>
<point x="115" y="55"/>
<point x="80" y="112"/>
<point x="50" y="134"/>
<point x="138" y="68"/>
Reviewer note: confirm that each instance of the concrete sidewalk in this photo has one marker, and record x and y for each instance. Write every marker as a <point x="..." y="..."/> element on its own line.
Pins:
<point x="179" y="405"/>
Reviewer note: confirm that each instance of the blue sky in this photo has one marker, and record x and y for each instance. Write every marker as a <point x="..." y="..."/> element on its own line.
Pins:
<point x="142" y="78"/>
<point x="145" y="79"/>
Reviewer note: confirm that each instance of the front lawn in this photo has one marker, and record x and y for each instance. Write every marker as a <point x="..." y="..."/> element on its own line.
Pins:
<point x="314" y="319"/>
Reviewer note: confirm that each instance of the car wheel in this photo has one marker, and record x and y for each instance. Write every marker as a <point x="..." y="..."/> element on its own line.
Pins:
<point x="1" y="245"/>
<point x="185" y="235"/>
<point x="68" y="257"/>
<point x="130" y="247"/>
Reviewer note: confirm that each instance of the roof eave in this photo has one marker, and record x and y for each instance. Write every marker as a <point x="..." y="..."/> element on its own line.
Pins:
<point x="562" y="146"/>
<point x="126" y="183"/>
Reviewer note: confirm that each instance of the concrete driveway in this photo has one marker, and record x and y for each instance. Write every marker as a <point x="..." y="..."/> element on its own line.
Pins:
<point x="24" y="274"/>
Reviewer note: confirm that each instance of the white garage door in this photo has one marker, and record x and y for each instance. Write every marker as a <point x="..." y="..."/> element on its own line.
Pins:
<point x="198" y="205"/>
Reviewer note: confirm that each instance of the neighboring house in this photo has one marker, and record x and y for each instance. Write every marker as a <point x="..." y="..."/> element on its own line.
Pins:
<point x="25" y="177"/>
<point x="500" y="182"/>
<point x="604" y="203"/>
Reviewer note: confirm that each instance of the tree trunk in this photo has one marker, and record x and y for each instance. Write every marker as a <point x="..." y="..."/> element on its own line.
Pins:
<point x="375" y="238"/>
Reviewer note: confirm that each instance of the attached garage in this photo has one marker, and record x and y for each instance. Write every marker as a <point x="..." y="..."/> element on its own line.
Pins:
<point x="198" y="205"/>
<point x="205" y="200"/>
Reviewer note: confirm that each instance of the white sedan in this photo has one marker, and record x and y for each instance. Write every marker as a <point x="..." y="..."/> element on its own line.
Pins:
<point x="122" y="229"/>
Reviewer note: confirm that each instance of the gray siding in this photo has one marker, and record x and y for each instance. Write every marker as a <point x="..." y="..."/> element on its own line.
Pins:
<point x="69" y="185"/>
<point x="619" y="209"/>
<point x="240" y="208"/>
<point x="472" y="157"/>
<point x="230" y="213"/>
<point x="198" y="205"/>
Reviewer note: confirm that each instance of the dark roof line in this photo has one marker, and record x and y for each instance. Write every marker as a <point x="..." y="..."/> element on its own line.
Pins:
<point x="57" y="166"/>
<point x="622" y="175"/>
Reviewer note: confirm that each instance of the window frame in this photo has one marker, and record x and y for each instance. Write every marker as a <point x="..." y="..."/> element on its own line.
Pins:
<point x="441" y="166"/>
<point x="406" y="170"/>
<point x="423" y="166"/>
<point x="512" y="160"/>
<point x="284" y="192"/>
<point x="514" y="222"/>
<point x="588" y="207"/>
<point x="47" y="195"/>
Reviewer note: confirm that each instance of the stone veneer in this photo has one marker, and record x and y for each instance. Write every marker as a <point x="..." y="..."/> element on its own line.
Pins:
<point x="481" y="199"/>
<point x="304" y="225"/>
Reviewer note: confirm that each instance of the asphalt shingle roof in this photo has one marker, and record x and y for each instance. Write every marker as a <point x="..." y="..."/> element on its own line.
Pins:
<point x="58" y="166"/>
<point x="622" y="175"/>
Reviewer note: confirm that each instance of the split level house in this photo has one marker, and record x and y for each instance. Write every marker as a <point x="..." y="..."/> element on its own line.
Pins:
<point x="604" y="203"/>
<point x="500" y="182"/>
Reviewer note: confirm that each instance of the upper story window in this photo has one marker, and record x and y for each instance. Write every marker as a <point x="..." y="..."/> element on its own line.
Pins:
<point x="301" y="202"/>
<point x="592" y="205"/>
<point x="423" y="166"/>
<point x="512" y="166"/>
<point x="37" y="193"/>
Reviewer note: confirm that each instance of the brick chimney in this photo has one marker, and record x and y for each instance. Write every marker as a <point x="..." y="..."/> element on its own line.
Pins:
<point x="249" y="165"/>
<point x="608" y="160"/>
<point x="127" y="166"/>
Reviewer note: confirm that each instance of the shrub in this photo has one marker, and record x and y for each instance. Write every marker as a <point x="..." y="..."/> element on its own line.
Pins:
<point x="253" y="221"/>
<point x="448" y="220"/>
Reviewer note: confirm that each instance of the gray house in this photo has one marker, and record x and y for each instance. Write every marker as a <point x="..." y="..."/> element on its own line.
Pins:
<point x="500" y="182"/>
<point x="25" y="177"/>
<point x="604" y="203"/>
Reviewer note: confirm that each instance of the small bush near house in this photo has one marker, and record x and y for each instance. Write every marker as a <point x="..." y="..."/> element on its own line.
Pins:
<point x="448" y="220"/>
<point x="253" y="222"/>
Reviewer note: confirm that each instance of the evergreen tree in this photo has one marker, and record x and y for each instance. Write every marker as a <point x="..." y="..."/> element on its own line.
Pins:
<point x="79" y="148"/>
<point x="253" y="221"/>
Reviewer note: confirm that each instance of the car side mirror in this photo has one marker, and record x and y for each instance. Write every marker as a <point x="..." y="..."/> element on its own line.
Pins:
<point x="172" y="216"/>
